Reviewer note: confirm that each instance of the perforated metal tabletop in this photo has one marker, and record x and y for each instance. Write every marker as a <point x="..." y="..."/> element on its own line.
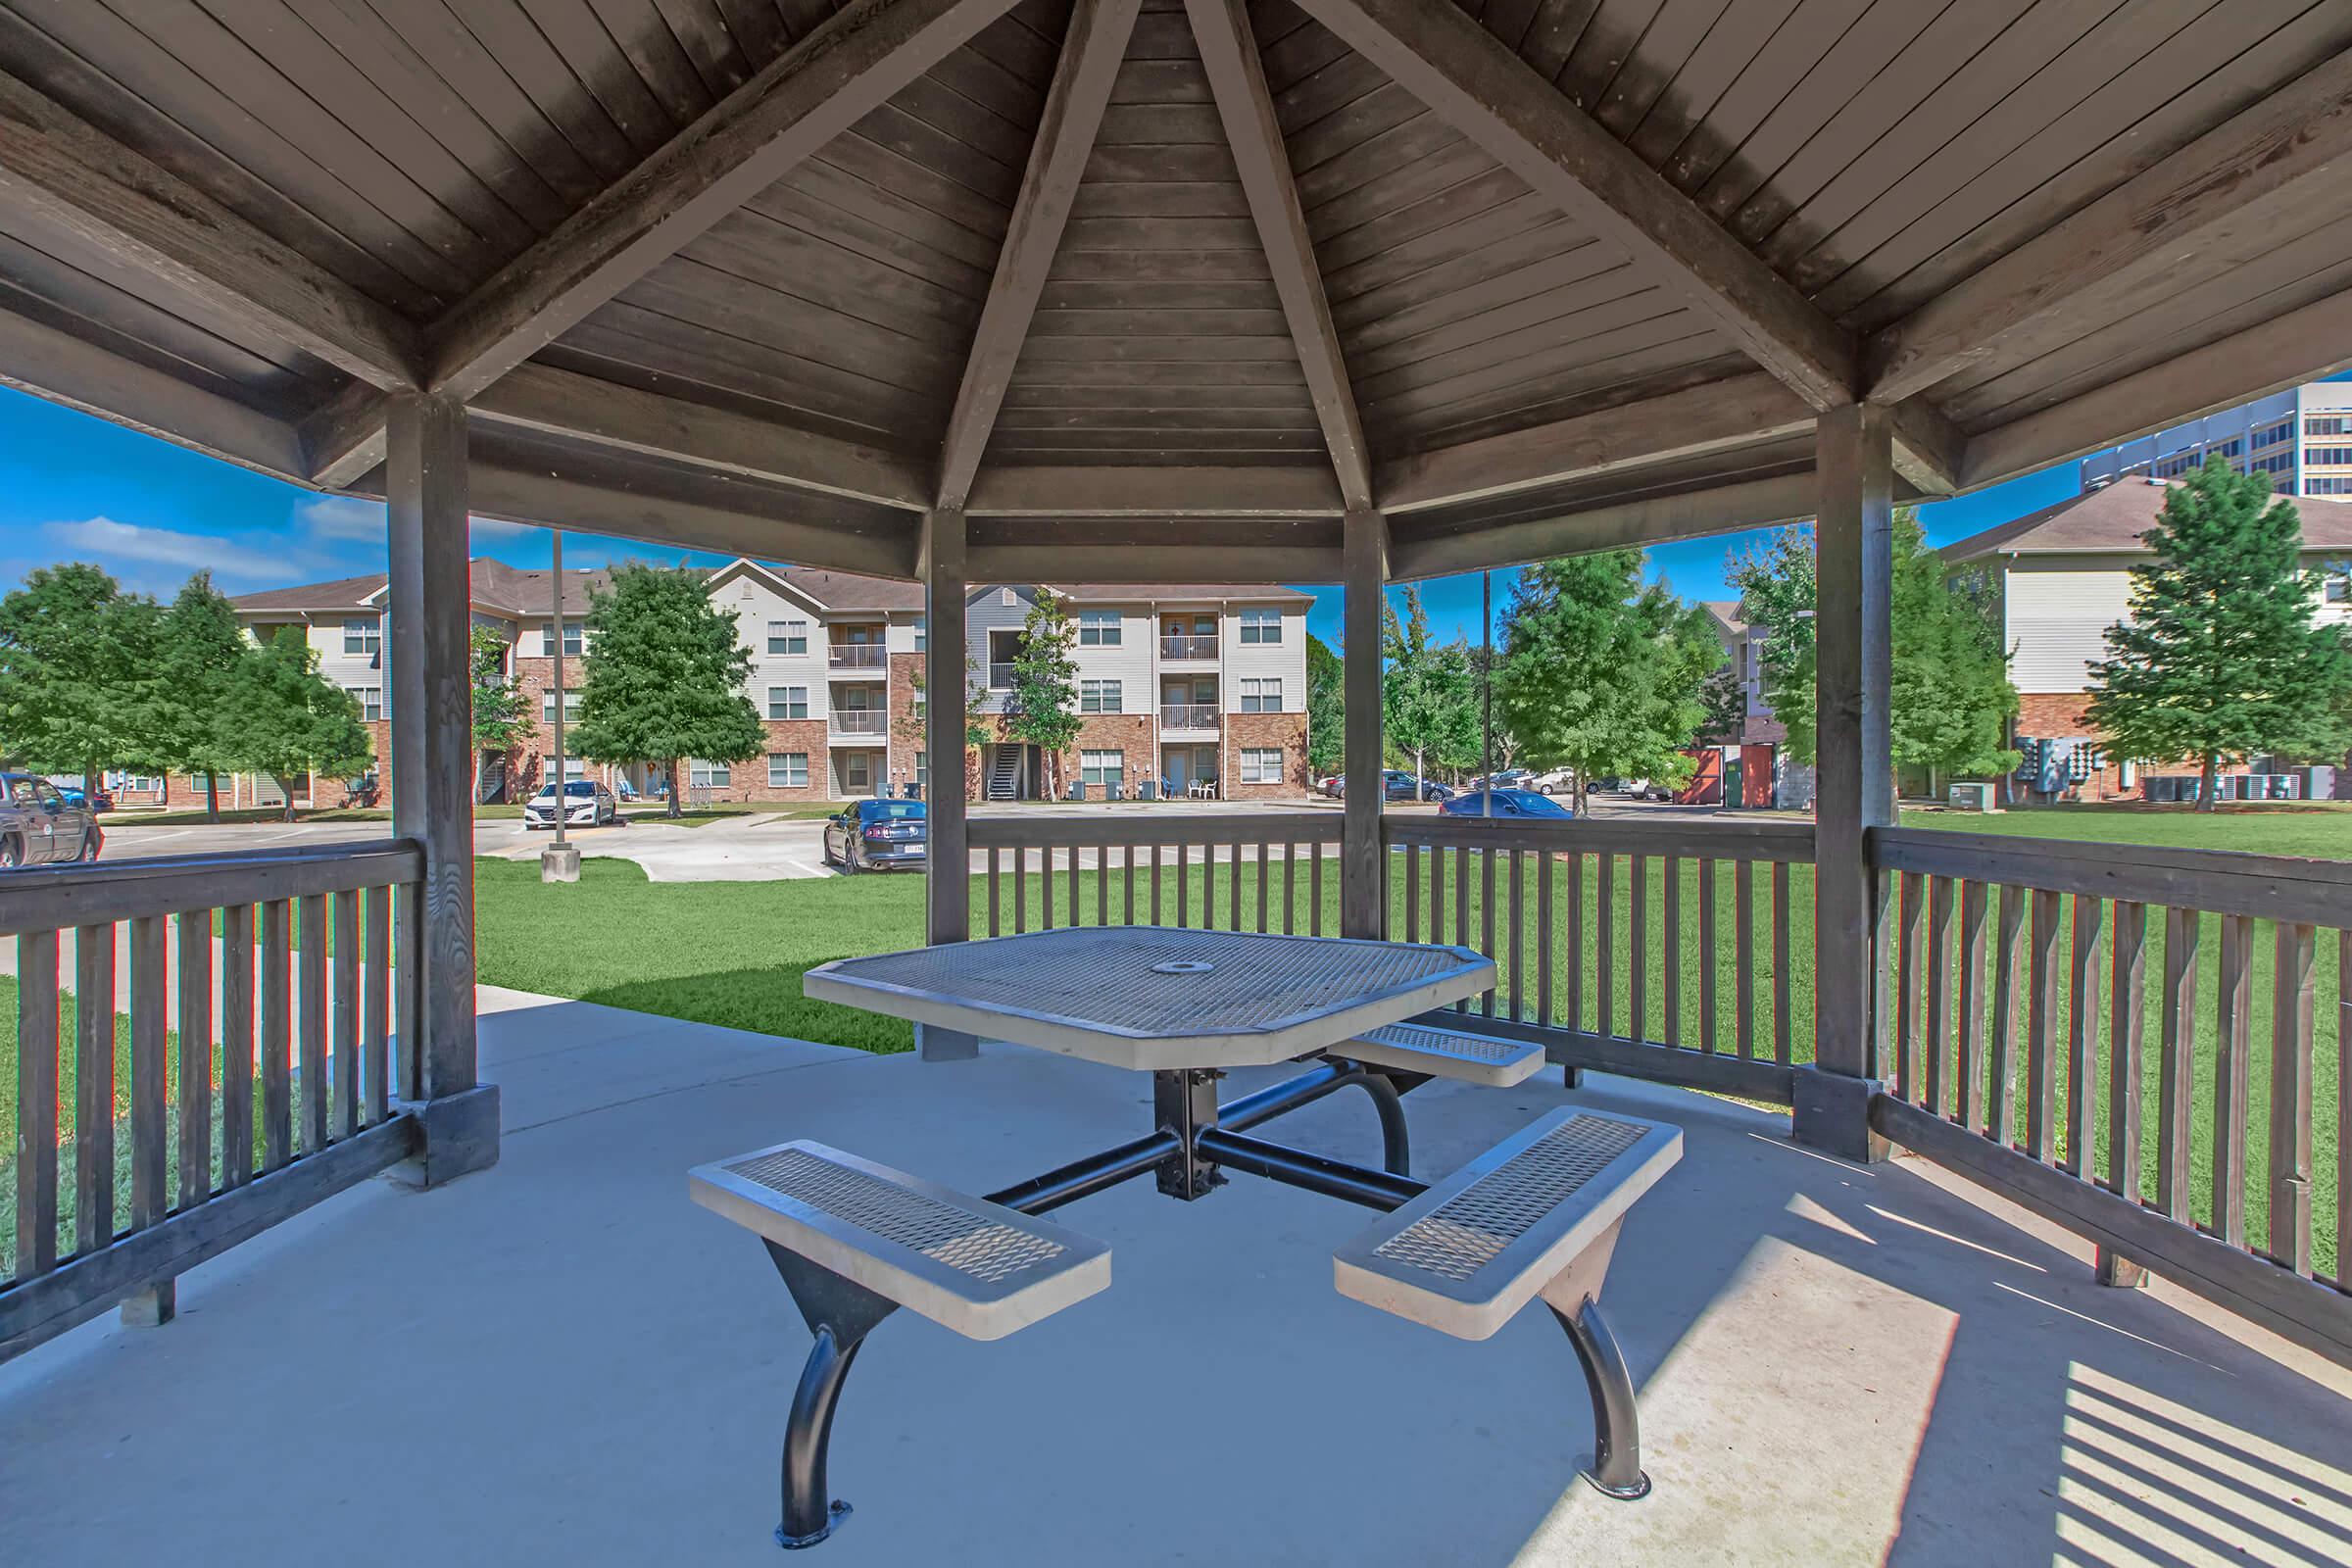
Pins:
<point x="1155" y="998"/>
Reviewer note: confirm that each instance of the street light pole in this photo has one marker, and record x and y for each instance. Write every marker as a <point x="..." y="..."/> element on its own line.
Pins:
<point x="1486" y="744"/>
<point x="560" y="861"/>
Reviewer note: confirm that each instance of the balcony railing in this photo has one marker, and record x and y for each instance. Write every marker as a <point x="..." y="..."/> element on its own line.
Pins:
<point x="1187" y="715"/>
<point x="285" y="959"/>
<point x="856" y="656"/>
<point x="999" y="677"/>
<point x="859" y="721"/>
<point x="1188" y="645"/>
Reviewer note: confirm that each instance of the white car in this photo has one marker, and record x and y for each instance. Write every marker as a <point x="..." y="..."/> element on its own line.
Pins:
<point x="1554" y="782"/>
<point x="586" y="805"/>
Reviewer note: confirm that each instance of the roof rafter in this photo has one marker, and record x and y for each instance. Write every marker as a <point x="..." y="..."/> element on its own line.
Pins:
<point x="1050" y="490"/>
<point x="57" y="168"/>
<point x="1091" y="51"/>
<point x="1610" y="526"/>
<point x="1237" y="81"/>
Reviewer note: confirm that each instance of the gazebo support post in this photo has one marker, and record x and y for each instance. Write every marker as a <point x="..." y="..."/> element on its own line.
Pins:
<point x="1364" y="567"/>
<point x="1854" y="785"/>
<point x="947" y="862"/>
<point x="432" y="786"/>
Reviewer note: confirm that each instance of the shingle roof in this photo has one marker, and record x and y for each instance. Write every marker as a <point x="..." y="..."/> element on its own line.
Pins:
<point x="1727" y="615"/>
<point x="1129" y="592"/>
<point x="2114" y="517"/>
<point x="344" y="593"/>
<point x="847" y="589"/>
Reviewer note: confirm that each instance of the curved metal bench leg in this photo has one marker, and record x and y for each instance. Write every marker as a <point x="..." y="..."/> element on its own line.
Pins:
<point x="1396" y="1142"/>
<point x="1616" y="1423"/>
<point x="840" y="1313"/>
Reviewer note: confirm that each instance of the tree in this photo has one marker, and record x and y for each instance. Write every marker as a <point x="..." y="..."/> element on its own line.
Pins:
<point x="1428" y="701"/>
<point x="2221" y="658"/>
<point x="80" y="687"/>
<point x="1724" y="698"/>
<point x="290" y="720"/>
<point x="203" y="648"/>
<point x="1041" y="706"/>
<point x="1601" y="672"/>
<point x="1326" y="707"/>
<point x="500" y="720"/>
<point x="1778" y="589"/>
<point x="663" y="677"/>
<point x="915" y="726"/>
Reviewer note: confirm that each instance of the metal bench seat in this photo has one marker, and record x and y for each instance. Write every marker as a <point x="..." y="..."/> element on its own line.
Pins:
<point x="1448" y="1054"/>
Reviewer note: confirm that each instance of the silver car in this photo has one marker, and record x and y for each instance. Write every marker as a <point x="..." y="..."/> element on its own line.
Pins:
<point x="586" y="805"/>
<point x="39" y="827"/>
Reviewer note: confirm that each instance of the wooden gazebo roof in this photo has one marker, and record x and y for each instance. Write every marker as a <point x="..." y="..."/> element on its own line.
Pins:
<point x="1165" y="289"/>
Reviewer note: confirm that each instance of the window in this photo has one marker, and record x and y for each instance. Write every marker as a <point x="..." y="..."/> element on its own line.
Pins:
<point x="1097" y="628"/>
<point x="575" y="768"/>
<point x="1261" y="695"/>
<point x="372" y="702"/>
<point x="2327" y="424"/>
<point x="922" y="633"/>
<point x="2272" y="435"/>
<point x="709" y="775"/>
<point x="1006" y="595"/>
<point x="2337" y="590"/>
<point x="1102" y="769"/>
<point x="2329" y="455"/>
<point x="788" y="771"/>
<point x="2329" y="485"/>
<point x="363" y="634"/>
<point x="572" y="708"/>
<point x="572" y="639"/>
<point x="787" y="636"/>
<point x="1261" y="625"/>
<point x="1100" y="697"/>
<point x="788" y="702"/>
<point x="1261" y="765"/>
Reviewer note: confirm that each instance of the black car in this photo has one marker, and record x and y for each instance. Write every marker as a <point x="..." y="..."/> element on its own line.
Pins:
<point x="875" y="835"/>
<point x="1403" y="786"/>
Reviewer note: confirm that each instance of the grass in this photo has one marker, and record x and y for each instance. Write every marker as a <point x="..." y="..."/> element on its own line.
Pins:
<point x="264" y="815"/>
<point x="2316" y="830"/>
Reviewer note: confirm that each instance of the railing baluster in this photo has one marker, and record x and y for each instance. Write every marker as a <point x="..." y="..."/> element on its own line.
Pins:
<point x="2234" y="1029"/>
<point x="1074" y="905"/>
<point x="1461" y="896"/>
<point x="1412" y="892"/>
<point x="195" y="1057"/>
<point x="1968" y="1094"/>
<point x="2288" y="1233"/>
<point x="2041" y="1042"/>
<point x="310" y="913"/>
<point x="1638" y="1008"/>
<point x="1156" y="884"/>
<point x="375" y="1004"/>
<point x="1517" y="928"/>
<point x="1209" y="886"/>
<point x="1743" y="952"/>
<point x="2176" y="1070"/>
<point x="1708" y="1022"/>
<point x="94" y="1087"/>
<point x="1437" y="893"/>
<point x="1783" y="1043"/>
<point x="2082" y="1035"/>
<point x="1044" y="889"/>
<point x="1906" y="988"/>
<point x="236" y="1046"/>
<point x="2127" y="995"/>
<point x="36" y="1103"/>
<point x="1184" y="892"/>
<point x="2002" y="1080"/>
<point x="994" y="925"/>
<point x="1939" y="990"/>
<point x="1264" y="861"/>
<point x="2344" y="1123"/>
<point x="1102" y="884"/>
<point x="150" y="1071"/>
<point x="1127" y="892"/>
<point x="346" y="1040"/>
<point x="1020" y="891"/>
<point x="1671" y="964"/>
<point x="1289" y="881"/>
<point x="1573" y="948"/>
<point x="1314" y="912"/>
<point x="1232" y="892"/>
<point x="1605" y="947"/>
<point x="1486" y="921"/>
<point x="278" y="1035"/>
<point x="1544" y="869"/>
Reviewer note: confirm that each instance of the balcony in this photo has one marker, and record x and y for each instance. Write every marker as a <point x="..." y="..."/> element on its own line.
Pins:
<point x="1188" y="648"/>
<point x="1000" y="675"/>
<point x="1197" y="719"/>
<point x="863" y="722"/>
<point x="860" y="657"/>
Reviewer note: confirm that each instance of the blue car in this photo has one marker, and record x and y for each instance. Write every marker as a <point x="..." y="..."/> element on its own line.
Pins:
<point x="1514" y="805"/>
<point x="877" y="835"/>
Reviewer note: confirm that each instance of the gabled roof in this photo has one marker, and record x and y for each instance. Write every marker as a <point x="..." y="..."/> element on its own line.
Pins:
<point x="2113" y="517"/>
<point x="497" y="587"/>
<point x="343" y="592"/>
<point x="1724" y="613"/>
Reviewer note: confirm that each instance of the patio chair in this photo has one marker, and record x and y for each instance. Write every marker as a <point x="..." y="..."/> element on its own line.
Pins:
<point x="1536" y="1215"/>
<point x="854" y="1242"/>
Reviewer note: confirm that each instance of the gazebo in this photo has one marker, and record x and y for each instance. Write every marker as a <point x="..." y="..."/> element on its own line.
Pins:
<point x="1353" y="291"/>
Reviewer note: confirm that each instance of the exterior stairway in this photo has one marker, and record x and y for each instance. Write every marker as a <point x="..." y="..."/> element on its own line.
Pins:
<point x="1005" y="775"/>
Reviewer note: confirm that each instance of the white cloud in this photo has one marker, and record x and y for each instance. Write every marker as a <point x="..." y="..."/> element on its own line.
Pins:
<point x="343" y="517"/>
<point x="111" y="542"/>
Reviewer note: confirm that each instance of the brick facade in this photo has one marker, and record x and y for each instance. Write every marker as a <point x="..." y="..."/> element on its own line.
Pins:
<point x="1249" y="731"/>
<point x="2047" y="715"/>
<point x="1128" y="734"/>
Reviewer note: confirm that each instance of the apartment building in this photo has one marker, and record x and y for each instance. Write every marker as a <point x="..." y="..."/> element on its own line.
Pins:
<point x="2302" y="438"/>
<point x="1178" y="684"/>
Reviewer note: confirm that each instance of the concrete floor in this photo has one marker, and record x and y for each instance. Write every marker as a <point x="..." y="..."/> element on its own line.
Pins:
<point x="563" y="1360"/>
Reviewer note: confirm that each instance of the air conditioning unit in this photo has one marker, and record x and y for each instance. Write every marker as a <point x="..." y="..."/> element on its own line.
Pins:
<point x="1969" y="796"/>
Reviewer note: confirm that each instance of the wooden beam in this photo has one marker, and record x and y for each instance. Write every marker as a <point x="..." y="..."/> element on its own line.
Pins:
<point x="1052" y="490"/>
<point x="52" y="362"/>
<point x="1092" y="48"/>
<point x="2285" y="351"/>
<point x="1363" y="860"/>
<point x="1927" y="447"/>
<point x="1242" y="551"/>
<point x="1471" y="78"/>
<point x="537" y="397"/>
<point x="55" y="168"/>
<point x="1647" y="519"/>
<point x="1685" y="424"/>
<point x="858" y="60"/>
<point x="344" y="437"/>
<point x="2290" y="154"/>
<point x="1237" y="81"/>
<point x="948" y="868"/>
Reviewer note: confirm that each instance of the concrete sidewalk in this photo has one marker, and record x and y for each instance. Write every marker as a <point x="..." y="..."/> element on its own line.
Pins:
<point x="563" y="1360"/>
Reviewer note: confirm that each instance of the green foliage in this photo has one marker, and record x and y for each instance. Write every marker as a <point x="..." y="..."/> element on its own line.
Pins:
<point x="1724" y="698"/>
<point x="501" y="721"/>
<point x="665" y="677"/>
<point x="292" y="720"/>
<point x="1428" y="703"/>
<point x="2221" y="658"/>
<point x="203" y="648"/>
<point x="1326" y="707"/>
<point x="81" y="686"/>
<point x="1042" y="706"/>
<point x="1777" y="593"/>
<point x="1601" y="672"/>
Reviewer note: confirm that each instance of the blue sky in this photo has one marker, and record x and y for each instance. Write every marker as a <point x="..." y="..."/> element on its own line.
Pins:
<point x="73" y="487"/>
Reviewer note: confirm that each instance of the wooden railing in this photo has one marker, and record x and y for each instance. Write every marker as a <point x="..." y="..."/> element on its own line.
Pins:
<point x="251" y="1078"/>
<point x="1660" y="950"/>
<point x="2127" y="1040"/>
<point x="1260" y="871"/>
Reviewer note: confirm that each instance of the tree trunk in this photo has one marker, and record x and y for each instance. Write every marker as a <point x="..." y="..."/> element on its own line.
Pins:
<point x="677" y="789"/>
<point x="1420" y="784"/>
<point x="211" y="796"/>
<point x="286" y="793"/>
<point x="2213" y="777"/>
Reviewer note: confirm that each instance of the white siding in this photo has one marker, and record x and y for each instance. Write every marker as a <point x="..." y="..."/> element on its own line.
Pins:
<point x="351" y="672"/>
<point x="899" y="637"/>
<point x="754" y="603"/>
<point x="1129" y="664"/>
<point x="2057" y="623"/>
<point x="1285" y="661"/>
<point x="988" y="612"/>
